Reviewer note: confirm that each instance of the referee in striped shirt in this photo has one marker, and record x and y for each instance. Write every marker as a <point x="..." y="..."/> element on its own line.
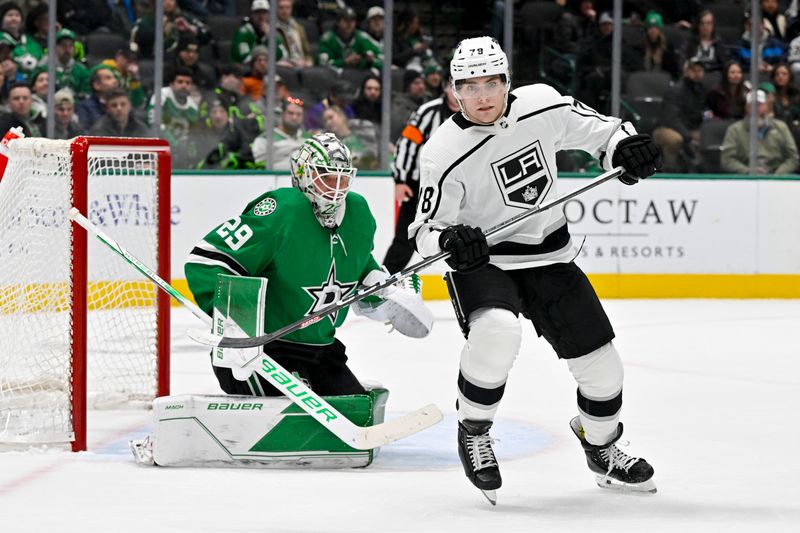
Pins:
<point x="405" y="169"/>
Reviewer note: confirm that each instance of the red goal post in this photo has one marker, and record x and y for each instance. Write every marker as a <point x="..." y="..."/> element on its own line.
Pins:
<point x="79" y="326"/>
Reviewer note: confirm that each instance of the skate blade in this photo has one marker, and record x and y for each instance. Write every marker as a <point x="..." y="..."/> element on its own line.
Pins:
<point x="491" y="495"/>
<point x="609" y="483"/>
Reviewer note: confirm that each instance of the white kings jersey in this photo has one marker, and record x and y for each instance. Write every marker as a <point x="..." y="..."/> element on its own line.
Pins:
<point x="484" y="175"/>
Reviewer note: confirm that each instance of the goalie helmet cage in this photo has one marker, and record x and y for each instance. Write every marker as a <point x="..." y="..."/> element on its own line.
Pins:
<point x="78" y="325"/>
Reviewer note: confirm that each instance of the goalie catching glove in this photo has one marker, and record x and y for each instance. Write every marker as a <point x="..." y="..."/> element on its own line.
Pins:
<point x="399" y="304"/>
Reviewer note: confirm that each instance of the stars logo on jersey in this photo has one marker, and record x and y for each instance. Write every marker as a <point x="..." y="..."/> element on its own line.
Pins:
<point x="523" y="177"/>
<point x="265" y="207"/>
<point x="329" y="292"/>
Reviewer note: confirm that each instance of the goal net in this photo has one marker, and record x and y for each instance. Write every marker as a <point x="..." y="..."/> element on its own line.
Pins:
<point x="79" y="327"/>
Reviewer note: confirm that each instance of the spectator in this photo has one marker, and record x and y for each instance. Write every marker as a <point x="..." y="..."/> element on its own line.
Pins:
<point x="574" y="27"/>
<point x="704" y="46"/>
<point x="772" y="50"/>
<point x="10" y="75"/>
<point x="338" y="95"/>
<point x="179" y="114"/>
<point x="411" y="49"/>
<point x="66" y="122"/>
<point x="774" y="21"/>
<point x="593" y="64"/>
<point x="188" y="56"/>
<point x="368" y="104"/>
<point x="70" y="73"/>
<point x="86" y="16"/>
<point x="126" y="63"/>
<point x="374" y="26"/>
<point x="119" y="120"/>
<point x="19" y="111"/>
<point x="786" y="98"/>
<point x="681" y="116"/>
<point x="25" y="51"/>
<point x="655" y="52"/>
<point x="346" y="47"/>
<point x="294" y="36"/>
<point x="253" y="81"/>
<point x="726" y="100"/>
<point x="39" y="80"/>
<point x="176" y="23"/>
<point x="404" y="104"/>
<point x="214" y="123"/>
<point x="233" y="148"/>
<point x="103" y="79"/>
<point x="34" y="53"/>
<point x="362" y="150"/>
<point x="287" y="136"/>
<point x="433" y="81"/>
<point x="776" y="149"/>
<point x="254" y="33"/>
<point x="228" y="93"/>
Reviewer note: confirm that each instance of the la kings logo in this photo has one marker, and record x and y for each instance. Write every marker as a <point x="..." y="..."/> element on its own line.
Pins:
<point x="523" y="177"/>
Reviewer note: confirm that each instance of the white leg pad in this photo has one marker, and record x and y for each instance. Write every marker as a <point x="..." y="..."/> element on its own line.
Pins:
<point x="487" y="357"/>
<point x="214" y="431"/>
<point x="599" y="375"/>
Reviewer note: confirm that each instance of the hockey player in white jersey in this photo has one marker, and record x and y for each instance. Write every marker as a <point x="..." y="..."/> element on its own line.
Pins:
<point x="484" y="165"/>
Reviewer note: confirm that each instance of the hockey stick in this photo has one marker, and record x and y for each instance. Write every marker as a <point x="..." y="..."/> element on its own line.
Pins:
<point x="210" y="339"/>
<point x="360" y="438"/>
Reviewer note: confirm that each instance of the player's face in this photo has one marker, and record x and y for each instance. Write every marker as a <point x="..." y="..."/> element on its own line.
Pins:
<point x="329" y="185"/>
<point x="483" y="98"/>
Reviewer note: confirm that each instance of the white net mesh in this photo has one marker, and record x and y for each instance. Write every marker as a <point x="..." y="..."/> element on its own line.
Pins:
<point x="35" y="299"/>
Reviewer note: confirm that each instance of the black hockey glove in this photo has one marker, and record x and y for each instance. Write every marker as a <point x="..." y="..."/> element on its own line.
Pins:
<point x="639" y="156"/>
<point x="467" y="247"/>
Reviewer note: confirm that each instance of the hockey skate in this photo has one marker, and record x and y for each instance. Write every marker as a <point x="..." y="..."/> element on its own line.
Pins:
<point x="477" y="457"/>
<point x="614" y="468"/>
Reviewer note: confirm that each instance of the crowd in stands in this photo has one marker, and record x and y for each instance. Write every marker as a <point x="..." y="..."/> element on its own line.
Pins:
<point x="329" y="59"/>
<point x="685" y="69"/>
<point x="685" y="73"/>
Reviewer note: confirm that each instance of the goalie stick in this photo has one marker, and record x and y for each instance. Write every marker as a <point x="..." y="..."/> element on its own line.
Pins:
<point x="210" y="339"/>
<point x="360" y="438"/>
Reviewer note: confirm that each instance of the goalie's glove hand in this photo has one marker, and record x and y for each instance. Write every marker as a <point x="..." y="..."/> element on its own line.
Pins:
<point x="639" y="156"/>
<point x="401" y="306"/>
<point x="467" y="247"/>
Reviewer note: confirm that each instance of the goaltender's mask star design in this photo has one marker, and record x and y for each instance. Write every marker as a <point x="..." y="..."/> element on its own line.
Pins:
<point x="328" y="293"/>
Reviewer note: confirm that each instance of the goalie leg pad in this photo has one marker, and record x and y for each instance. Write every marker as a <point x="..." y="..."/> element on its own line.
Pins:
<point x="242" y="431"/>
<point x="486" y="359"/>
<point x="599" y="375"/>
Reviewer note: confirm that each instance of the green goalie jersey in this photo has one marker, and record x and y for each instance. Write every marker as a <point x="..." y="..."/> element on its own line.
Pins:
<point x="308" y="266"/>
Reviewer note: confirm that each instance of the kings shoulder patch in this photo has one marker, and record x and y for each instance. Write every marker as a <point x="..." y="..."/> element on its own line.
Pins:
<point x="265" y="207"/>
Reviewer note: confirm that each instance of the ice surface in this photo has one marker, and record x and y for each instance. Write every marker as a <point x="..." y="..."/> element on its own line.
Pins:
<point x="710" y="391"/>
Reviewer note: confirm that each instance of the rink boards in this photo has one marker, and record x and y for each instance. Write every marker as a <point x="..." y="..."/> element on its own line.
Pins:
<point x="671" y="236"/>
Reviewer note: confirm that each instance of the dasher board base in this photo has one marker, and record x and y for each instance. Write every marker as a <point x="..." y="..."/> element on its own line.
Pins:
<point x="258" y="432"/>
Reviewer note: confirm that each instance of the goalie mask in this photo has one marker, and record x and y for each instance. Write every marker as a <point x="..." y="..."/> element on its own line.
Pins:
<point x="323" y="170"/>
<point x="478" y="57"/>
